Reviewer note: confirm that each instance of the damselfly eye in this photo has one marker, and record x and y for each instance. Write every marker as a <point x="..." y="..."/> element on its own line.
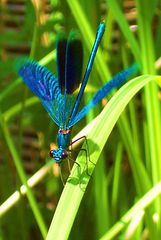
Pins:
<point x="64" y="155"/>
<point x="51" y="153"/>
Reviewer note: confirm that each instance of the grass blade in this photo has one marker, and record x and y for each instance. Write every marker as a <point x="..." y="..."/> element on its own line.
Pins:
<point x="76" y="185"/>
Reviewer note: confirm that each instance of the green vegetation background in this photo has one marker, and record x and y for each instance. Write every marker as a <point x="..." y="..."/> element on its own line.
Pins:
<point x="122" y="198"/>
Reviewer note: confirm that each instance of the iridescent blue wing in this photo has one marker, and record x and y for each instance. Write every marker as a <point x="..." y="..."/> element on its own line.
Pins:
<point x="74" y="62"/>
<point x="42" y="83"/>
<point x="69" y="65"/>
<point x="115" y="82"/>
<point x="69" y="62"/>
<point x="61" y="55"/>
<point x="56" y="94"/>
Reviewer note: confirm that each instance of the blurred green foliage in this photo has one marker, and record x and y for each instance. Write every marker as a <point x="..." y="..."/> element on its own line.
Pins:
<point x="133" y="33"/>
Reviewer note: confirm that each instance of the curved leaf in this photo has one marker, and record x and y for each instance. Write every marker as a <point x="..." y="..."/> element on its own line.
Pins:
<point x="97" y="137"/>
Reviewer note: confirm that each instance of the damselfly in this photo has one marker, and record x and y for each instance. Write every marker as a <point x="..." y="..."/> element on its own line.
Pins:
<point x="56" y="93"/>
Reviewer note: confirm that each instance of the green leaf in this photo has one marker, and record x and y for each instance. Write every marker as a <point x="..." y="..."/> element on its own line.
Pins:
<point x="97" y="137"/>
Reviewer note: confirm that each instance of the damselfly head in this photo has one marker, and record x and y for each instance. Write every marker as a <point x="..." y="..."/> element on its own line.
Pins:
<point x="58" y="154"/>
